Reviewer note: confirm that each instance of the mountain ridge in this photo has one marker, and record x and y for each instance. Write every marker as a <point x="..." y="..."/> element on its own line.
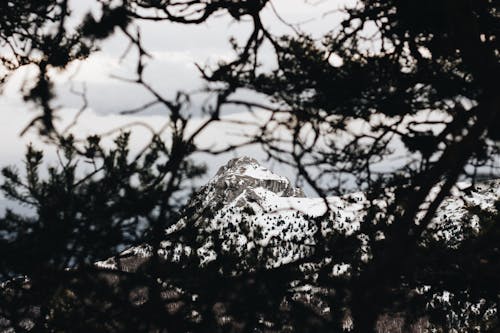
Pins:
<point x="259" y="218"/>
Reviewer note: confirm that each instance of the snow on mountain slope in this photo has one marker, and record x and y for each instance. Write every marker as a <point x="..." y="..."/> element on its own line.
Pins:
<point x="254" y="216"/>
<point x="453" y="216"/>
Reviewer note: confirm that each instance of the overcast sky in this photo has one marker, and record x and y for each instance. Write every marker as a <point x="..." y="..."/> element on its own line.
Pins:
<point x="175" y="50"/>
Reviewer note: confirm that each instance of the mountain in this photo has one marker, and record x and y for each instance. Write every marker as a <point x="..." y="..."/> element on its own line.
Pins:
<point x="252" y="215"/>
<point x="247" y="218"/>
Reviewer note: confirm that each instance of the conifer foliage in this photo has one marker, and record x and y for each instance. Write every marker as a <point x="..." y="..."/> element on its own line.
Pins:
<point x="408" y="84"/>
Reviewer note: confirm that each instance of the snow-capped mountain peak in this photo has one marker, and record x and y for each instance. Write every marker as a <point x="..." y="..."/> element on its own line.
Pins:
<point x="245" y="173"/>
<point x="252" y="215"/>
<point x="247" y="166"/>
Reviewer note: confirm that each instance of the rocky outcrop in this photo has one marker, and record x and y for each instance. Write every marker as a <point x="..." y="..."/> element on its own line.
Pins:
<point x="243" y="173"/>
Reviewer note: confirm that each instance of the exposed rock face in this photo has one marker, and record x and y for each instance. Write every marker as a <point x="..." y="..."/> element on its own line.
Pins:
<point x="243" y="173"/>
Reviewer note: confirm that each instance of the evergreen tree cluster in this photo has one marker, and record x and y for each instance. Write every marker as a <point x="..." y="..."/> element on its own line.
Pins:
<point x="416" y="78"/>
